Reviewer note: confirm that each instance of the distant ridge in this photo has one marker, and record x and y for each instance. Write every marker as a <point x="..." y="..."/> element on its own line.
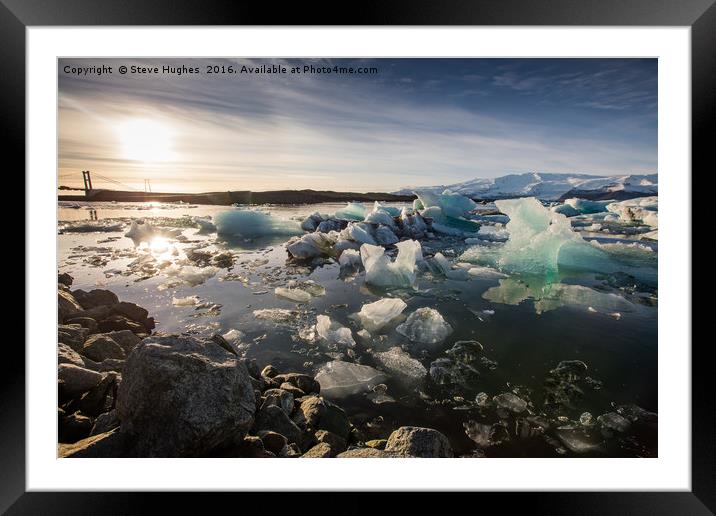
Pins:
<point x="551" y="187"/>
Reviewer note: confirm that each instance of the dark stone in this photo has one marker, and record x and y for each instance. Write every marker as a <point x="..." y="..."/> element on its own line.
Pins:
<point x="85" y="322"/>
<point x="131" y="311"/>
<point x="252" y="367"/>
<point x="108" y="444"/>
<point x="295" y="391"/>
<point x="74" y="380"/>
<point x="65" y="279"/>
<point x="413" y="441"/>
<point x="73" y="335"/>
<point x="221" y="341"/>
<point x="269" y="371"/>
<point x="94" y="402"/>
<point x="303" y="381"/>
<point x="74" y="427"/>
<point x="337" y="443"/>
<point x="273" y="441"/>
<point x="100" y="347"/>
<point x="280" y="398"/>
<point x="366" y="453"/>
<point x="105" y="422"/>
<point x="251" y="447"/>
<point x="126" y="339"/>
<point x="273" y="418"/>
<point x="94" y="298"/>
<point x="118" y="323"/>
<point x="335" y="420"/>
<point x="182" y="396"/>
<point x="319" y="451"/>
<point x="67" y="306"/>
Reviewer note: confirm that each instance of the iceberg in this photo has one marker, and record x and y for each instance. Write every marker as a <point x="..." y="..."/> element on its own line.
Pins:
<point x="352" y="211"/>
<point x="451" y="204"/>
<point x="340" y="379"/>
<point x="644" y="210"/>
<point x="401" y="365"/>
<point x="381" y="272"/>
<point x="412" y="223"/>
<point x="311" y="222"/>
<point x="350" y="260"/>
<point x="391" y="210"/>
<point x="425" y="326"/>
<point x="254" y="224"/>
<point x="312" y="245"/>
<point x="586" y="206"/>
<point x="380" y="216"/>
<point x="334" y="333"/>
<point x="377" y="315"/>
<point x="359" y="232"/>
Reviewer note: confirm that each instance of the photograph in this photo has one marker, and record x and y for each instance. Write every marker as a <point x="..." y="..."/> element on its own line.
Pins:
<point x="417" y="257"/>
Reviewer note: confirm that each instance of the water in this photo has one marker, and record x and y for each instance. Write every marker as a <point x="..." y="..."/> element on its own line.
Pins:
<point x="619" y="350"/>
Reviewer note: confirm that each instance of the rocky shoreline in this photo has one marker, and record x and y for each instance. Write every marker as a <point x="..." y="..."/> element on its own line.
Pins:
<point x="125" y="391"/>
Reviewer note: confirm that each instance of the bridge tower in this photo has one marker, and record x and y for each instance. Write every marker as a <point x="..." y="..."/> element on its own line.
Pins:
<point x="87" y="180"/>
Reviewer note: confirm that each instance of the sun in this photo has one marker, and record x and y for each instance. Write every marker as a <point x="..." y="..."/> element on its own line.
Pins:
<point x="145" y="140"/>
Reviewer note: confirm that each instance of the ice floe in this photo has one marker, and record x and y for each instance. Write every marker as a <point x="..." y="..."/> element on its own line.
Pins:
<point x="352" y="211"/>
<point x="333" y="332"/>
<point x="425" y="326"/>
<point x="401" y="365"/>
<point x="339" y="379"/>
<point x="375" y="316"/>
<point x="382" y="272"/>
<point x="253" y="224"/>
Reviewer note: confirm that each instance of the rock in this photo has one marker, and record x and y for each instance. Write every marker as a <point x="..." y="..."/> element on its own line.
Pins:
<point x="100" y="347"/>
<point x="74" y="380"/>
<point x="125" y="338"/>
<point x="67" y="355"/>
<point x="280" y="398"/>
<point x="252" y="367"/>
<point x="291" y="450"/>
<point x="97" y="313"/>
<point x="303" y="381"/>
<point x="109" y="365"/>
<point x="335" y="420"/>
<point x="510" y="402"/>
<point x="65" y="279"/>
<point x="337" y="443"/>
<point x="181" y="396"/>
<point x="108" y="444"/>
<point x="366" y="453"/>
<point x="74" y="427"/>
<point x="269" y="371"/>
<point x="131" y="311"/>
<point x="73" y="335"/>
<point x="378" y="444"/>
<point x="273" y="441"/>
<point x="67" y="306"/>
<point x="221" y="341"/>
<point x="414" y="441"/>
<point x="295" y="391"/>
<point x="94" y="298"/>
<point x="94" y="401"/>
<point x="251" y="447"/>
<point x="321" y="450"/>
<point x="614" y="421"/>
<point x="85" y="322"/>
<point x="579" y="441"/>
<point x="309" y="412"/>
<point x="273" y="418"/>
<point x="105" y="422"/>
<point x="118" y="323"/>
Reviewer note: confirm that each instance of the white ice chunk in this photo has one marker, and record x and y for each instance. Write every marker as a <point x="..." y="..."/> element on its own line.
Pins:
<point x="253" y="224"/>
<point x="425" y="326"/>
<point x="493" y="233"/>
<point x="359" y="232"/>
<point x="352" y="211"/>
<point x="312" y="245"/>
<point x="380" y="216"/>
<point x="643" y="209"/>
<point x="294" y="294"/>
<point x="340" y="379"/>
<point x="444" y="267"/>
<point x="452" y="204"/>
<point x="333" y="332"/>
<point x="350" y="258"/>
<point x="376" y="315"/>
<point x="233" y="336"/>
<point x="380" y="271"/>
<point x="485" y="272"/>
<point x="385" y="236"/>
<point x="185" y="301"/>
<point x="398" y="363"/>
<point x="190" y="274"/>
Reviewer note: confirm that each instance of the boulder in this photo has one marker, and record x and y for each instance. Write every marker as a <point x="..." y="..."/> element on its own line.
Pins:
<point x="67" y="355"/>
<point x="94" y="298"/>
<point x="288" y="387"/>
<point x="125" y="338"/>
<point x="269" y="371"/>
<point x="367" y="453"/>
<point x="85" y="322"/>
<point x="274" y="419"/>
<point x="95" y="401"/>
<point x="105" y="422"/>
<point x="108" y="444"/>
<point x="131" y="311"/>
<point x="413" y="441"/>
<point x="303" y="381"/>
<point x="321" y="450"/>
<point x="280" y="398"/>
<point x="67" y="305"/>
<point x="120" y="322"/>
<point x="74" y="427"/>
<point x="181" y="396"/>
<point x="100" y="347"/>
<point x="315" y="413"/>
<point x="65" y="279"/>
<point x="338" y="444"/>
<point x="74" y="380"/>
<point x="273" y="441"/>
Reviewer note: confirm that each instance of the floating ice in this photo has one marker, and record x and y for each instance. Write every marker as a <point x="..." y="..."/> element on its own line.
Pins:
<point x="425" y="326"/>
<point x="359" y="232"/>
<point x="385" y="236"/>
<point x="452" y="204"/>
<point x="441" y="265"/>
<point x="312" y="245"/>
<point x="278" y="315"/>
<point x="510" y="402"/>
<point x="311" y="222"/>
<point x="391" y="210"/>
<point x="254" y="224"/>
<point x="350" y="260"/>
<point x="398" y="363"/>
<point x="86" y="226"/>
<point x="294" y="294"/>
<point x="352" y="211"/>
<point x="381" y="272"/>
<point x="333" y="332"/>
<point x="380" y="216"/>
<point x="206" y="226"/>
<point x="643" y="209"/>
<point x="493" y="233"/>
<point x="579" y="440"/>
<point x="339" y="379"/>
<point x="190" y="274"/>
<point x="185" y="301"/>
<point x="146" y="232"/>
<point x="485" y="272"/>
<point x="582" y="206"/>
<point x="381" y="313"/>
<point x="413" y="224"/>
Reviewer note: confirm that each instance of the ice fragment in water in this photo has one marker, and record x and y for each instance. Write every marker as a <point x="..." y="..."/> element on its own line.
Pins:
<point x="376" y="315"/>
<point x="253" y="224"/>
<point x="185" y="301"/>
<point x="643" y="209"/>
<point x="385" y="236"/>
<point x="510" y="402"/>
<point x="233" y="336"/>
<point x="339" y="379"/>
<point x="359" y="232"/>
<point x="350" y="258"/>
<point x="493" y="233"/>
<point x="485" y="272"/>
<point x="452" y="204"/>
<point x="444" y="267"/>
<point x="578" y="440"/>
<point x="380" y="216"/>
<point x="399" y="364"/>
<point x="206" y="226"/>
<point x="382" y="272"/>
<point x="294" y="294"/>
<point x="352" y="211"/>
<point x="333" y="332"/>
<point x="480" y="433"/>
<point x="614" y="421"/>
<point x="311" y="245"/>
<point x="425" y="326"/>
<point x="278" y="315"/>
<point x="190" y="274"/>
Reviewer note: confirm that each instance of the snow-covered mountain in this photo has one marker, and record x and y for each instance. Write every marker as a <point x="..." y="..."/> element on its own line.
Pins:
<point x="551" y="187"/>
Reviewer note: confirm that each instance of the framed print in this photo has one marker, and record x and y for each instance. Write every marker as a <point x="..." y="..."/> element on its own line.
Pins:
<point x="431" y="238"/>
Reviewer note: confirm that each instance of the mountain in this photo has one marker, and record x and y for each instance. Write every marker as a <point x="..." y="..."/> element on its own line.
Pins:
<point x="551" y="187"/>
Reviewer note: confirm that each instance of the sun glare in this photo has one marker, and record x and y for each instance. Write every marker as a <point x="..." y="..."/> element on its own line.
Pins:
<point x="145" y="140"/>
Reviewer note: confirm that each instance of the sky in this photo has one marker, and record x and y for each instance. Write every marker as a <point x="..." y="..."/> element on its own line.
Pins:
<point x="412" y="122"/>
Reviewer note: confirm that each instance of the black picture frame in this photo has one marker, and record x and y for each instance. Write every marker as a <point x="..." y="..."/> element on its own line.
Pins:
<point x="699" y="15"/>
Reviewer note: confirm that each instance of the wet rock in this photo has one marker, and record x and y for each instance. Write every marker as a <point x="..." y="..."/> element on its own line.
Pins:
<point x="636" y="414"/>
<point x="337" y="443"/>
<point x="579" y="441"/>
<point x="221" y="341"/>
<point x="74" y="380"/>
<point x="67" y="306"/>
<point x="447" y="372"/>
<point x="481" y="433"/>
<point x="303" y="381"/>
<point x="292" y="450"/>
<point x="73" y="335"/>
<point x="67" y="355"/>
<point x="614" y="421"/>
<point x="511" y="402"/>
<point x="108" y="444"/>
<point x="74" y="427"/>
<point x="273" y="441"/>
<point x="95" y="298"/>
<point x="131" y="311"/>
<point x="181" y="396"/>
<point x="274" y="419"/>
<point x="297" y="393"/>
<point x="105" y="422"/>
<point x="321" y="450"/>
<point x="125" y="338"/>
<point x="314" y="413"/>
<point x="279" y="397"/>
<point x="412" y="441"/>
<point x="367" y="453"/>
<point x="118" y="323"/>
<point x="269" y="371"/>
<point x="95" y="401"/>
<point x="65" y="279"/>
<point x="85" y="322"/>
<point x="378" y="444"/>
<point x="97" y="313"/>
<point x="100" y="347"/>
<point x="252" y="447"/>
